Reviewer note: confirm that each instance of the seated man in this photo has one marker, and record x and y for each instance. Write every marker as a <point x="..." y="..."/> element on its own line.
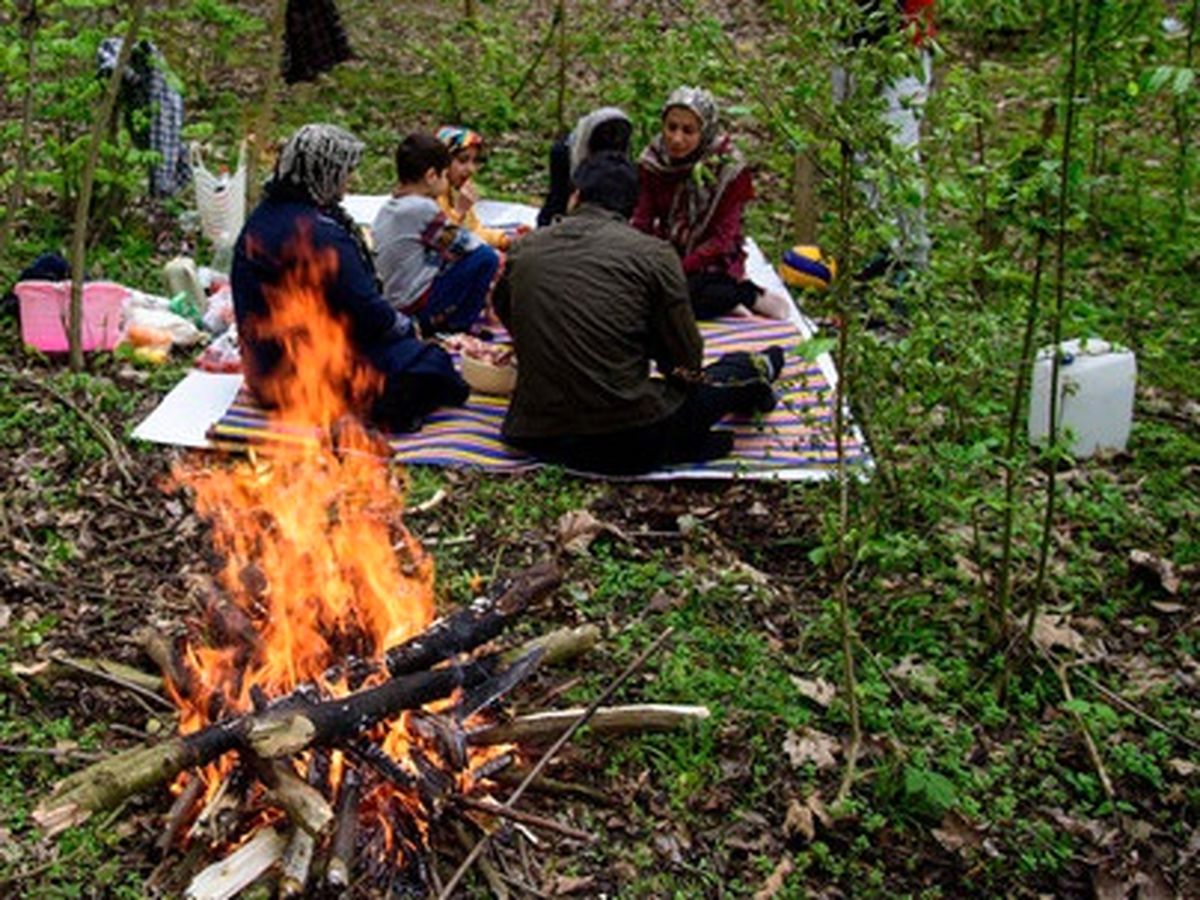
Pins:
<point x="433" y="270"/>
<point x="590" y="301"/>
<point x="299" y="223"/>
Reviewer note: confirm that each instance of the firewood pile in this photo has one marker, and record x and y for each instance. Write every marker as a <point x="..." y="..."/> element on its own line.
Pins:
<point x="375" y="788"/>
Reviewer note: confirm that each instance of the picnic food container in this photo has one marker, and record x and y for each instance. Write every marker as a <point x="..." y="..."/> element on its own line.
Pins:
<point x="1096" y="382"/>
<point x="46" y="308"/>
<point x="487" y="378"/>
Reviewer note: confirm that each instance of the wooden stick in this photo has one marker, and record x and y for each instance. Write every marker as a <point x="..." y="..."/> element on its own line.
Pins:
<point x="476" y="624"/>
<point x="1132" y="708"/>
<point x="115" y="451"/>
<point x="240" y="869"/>
<point x="178" y="814"/>
<point x="554" y="788"/>
<point x="541" y="764"/>
<point x="341" y="852"/>
<point x="499" y="890"/>
<point x="561" y="646"/>
<point x="607" y="720"/>
<point x="1093" y="752"/>
<point x="295" y="865"/>
<point x="135" y="680"/>
<point x="304" y="804"/>
<point x="160" y="649"/>
<point x="495" y="809"/>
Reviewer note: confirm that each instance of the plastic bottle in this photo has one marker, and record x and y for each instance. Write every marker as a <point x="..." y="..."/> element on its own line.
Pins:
<point x="1096" y="382"/>
<point x="182" y="278"/>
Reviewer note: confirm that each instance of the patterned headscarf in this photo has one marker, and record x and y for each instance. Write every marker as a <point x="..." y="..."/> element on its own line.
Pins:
<point x="457" y="138"/>
<point x="699" y="102"/>
<point x="317" y="159"/>
<point x="703" y="177"/>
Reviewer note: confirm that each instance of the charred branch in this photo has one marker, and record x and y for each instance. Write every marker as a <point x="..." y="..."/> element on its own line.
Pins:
<point x="475" y="625"/>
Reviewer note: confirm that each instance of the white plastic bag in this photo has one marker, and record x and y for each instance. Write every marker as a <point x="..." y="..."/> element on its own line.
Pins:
<point x="221" y="199"/>
<point x="150" y="318"/>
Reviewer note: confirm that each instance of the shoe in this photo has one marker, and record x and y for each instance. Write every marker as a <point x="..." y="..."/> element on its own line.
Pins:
<point x="775" y="361"/>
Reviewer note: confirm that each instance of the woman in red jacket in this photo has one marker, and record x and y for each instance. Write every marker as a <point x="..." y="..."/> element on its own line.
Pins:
<point x="694" y="187"/>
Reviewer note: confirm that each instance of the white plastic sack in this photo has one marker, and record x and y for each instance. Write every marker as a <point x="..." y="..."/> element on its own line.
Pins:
<point x="182" y="332"/>
<point x="221" y="199"/>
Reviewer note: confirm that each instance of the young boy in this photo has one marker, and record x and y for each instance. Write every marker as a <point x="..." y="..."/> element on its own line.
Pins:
<point x="459" y="198"/>
<point x="433" y="271"/>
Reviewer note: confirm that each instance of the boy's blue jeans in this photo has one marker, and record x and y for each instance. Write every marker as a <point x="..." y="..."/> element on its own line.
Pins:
<point x="458" y="294"/>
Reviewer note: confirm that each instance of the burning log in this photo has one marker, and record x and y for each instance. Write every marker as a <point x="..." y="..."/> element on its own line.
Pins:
<point x="545" y="726"/>
<point x="178" y="815"/>
<point x="286" y="728"/>
<point x="295" y="865"/>
<point x="240" y="869"/>
<point x="341" y="854"/>
<point x="306" y="807"/>
<point x="478" y="623"/>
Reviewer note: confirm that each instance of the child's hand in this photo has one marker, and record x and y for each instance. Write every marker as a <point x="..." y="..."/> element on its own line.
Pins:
<point x="467" y="195"/>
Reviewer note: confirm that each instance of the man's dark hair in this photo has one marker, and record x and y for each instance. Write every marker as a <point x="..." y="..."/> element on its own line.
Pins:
<point x="417" y="154"/>
<point x="610" y="180"/>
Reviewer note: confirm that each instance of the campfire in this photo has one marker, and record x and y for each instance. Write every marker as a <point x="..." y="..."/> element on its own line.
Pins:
<point x="331" y="731"/>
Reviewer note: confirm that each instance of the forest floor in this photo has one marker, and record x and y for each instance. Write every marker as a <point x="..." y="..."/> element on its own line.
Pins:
<point x="965" y="788"/>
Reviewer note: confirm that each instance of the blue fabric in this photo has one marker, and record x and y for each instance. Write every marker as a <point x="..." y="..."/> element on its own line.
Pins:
<point x="263" y="254"/>
<point x="458" y="293"/>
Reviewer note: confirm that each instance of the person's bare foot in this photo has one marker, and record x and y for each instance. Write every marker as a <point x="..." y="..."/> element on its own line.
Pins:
<point x="773" y="306"/>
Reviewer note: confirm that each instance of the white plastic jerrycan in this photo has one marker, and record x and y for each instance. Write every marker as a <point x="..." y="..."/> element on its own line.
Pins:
<point x="1095" y="395"/>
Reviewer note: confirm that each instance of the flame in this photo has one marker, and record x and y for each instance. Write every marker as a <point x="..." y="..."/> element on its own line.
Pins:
<point x="318" y="569"/>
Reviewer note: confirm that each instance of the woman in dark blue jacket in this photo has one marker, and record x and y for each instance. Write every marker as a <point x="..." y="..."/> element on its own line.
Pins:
<point x="301" y="203"/>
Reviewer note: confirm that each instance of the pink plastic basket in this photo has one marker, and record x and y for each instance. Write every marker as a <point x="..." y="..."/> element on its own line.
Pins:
<point x="45" y="312"/>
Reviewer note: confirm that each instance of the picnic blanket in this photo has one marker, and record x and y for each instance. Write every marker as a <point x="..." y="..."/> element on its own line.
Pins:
<point x="794" y="442"/>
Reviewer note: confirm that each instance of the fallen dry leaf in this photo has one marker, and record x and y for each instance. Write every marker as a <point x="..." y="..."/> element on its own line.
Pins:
<point x="809" y="745"/>
<point x="818" y="690"/>
<point x="774" y="883"/>
<point x="799" y="821"/>
<point x="571" y="884"/>
<point x="577" y="529"/>
<point x="1163" y="570"/>
<point x="802" y="817"/>
<point x="921" y="676"/>
<point x="1182" y="767"/>
<point x="1167" y="609"/>
<point x="1050" y="631"/>
<point x="957" y="834"/>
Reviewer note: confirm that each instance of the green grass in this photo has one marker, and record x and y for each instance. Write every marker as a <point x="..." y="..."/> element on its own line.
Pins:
<point x="941" y="734"/>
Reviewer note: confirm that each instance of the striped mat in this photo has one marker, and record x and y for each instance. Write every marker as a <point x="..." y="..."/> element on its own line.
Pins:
<point x="795" y="441"/>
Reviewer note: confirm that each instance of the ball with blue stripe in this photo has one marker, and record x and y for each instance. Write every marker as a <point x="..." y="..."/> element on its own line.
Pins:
<point x="805" y="266"/>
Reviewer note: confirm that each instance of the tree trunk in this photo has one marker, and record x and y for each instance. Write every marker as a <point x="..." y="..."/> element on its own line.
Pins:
<point x="804" y="197"/>
<point x="83" y="205"/>
<point x="16" y="190"/>
<point x="266" y="106"/>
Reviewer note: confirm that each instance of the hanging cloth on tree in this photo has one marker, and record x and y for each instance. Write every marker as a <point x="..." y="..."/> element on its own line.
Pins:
<point x="315" y="40"/>
<point x="153" y="111"/>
